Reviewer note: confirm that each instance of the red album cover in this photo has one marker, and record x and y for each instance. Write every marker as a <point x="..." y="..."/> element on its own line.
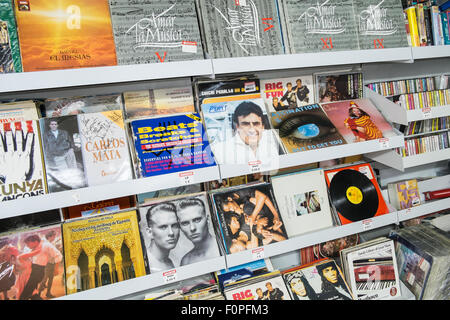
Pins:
<point x="355" y="193"/>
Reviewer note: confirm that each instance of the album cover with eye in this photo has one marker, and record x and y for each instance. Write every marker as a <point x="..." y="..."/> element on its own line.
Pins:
<point x="354" y="193"/>
<point x="239" y="131"/>
<point x="305" y="128"/>
<point x="148" y="31"/>
<point x="162" y="98"/>
<point x="303" y="206"/>
<point x="177" y="231"/>
<point x="10" y="60"/>
<point x="319" y="280"/>
<point x="285" y="93"/>
<point x="64" y="35"/>
<point x="241" y="28"/>
<point x="338" y="86"/>
<point x="371" y="271"/>
<point x="169" y="144"/>
<point x="320" y="25"/>
<point x="248" y="216"/>
<point x="380" y="24"/>
<point x="57" y="107"/>
<point x="22" y="172"/>
<point x="358" y="120"/>
<point x="19" y="111"/>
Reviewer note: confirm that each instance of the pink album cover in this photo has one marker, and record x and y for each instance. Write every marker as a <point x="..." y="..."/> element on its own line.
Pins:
<point x="358" y="120"/>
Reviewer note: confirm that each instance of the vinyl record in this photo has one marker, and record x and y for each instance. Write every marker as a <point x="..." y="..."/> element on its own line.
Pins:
<point x="353" y="195"/>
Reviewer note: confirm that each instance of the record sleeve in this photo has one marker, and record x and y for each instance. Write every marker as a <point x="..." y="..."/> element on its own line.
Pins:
<point x="163" y="98"/>
<point x="248" y="217"/>
<point x="404" y="194"/>
<point x="303" y="201"/>
<point x="102" y="250"/>
<point x="21" y="161"/>
<point x="321" y="280"/>
<point x="305" y="128"/>
<point x="320" y="25"/>
<point x="85" y="150"/>
<point x="146" y="31"/>
<point x="354" y="193"/>
<point x="10" y="60"/>
<point x="62" y="34"/>
<point x="239" y="130"/>
<point x="268" y="286"/>
<point x="57" y="107"/>
<point x="170" y="144"/>
<point x="281" y="94"/>
<point x="240" y="28"/>
<point x="178" y="231"/>
<point x="358" y="120"/>
<point x="31" y="264"/>
<point x="18" y="111"/>
<point x="338" y="86"/>
<point x="143" y="198"/>
<point x="30" y="221"/>
<point x="380" y="24"/>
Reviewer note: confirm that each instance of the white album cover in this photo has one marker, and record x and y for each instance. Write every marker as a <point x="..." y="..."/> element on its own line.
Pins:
<point x="303" y="201"/>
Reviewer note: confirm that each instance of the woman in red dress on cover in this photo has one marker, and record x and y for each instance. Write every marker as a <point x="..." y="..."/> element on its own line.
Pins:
<point x="361" y="125"/>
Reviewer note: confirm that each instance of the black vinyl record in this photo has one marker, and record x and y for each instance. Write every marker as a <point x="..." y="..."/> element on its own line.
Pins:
<point x="353" y="195"/>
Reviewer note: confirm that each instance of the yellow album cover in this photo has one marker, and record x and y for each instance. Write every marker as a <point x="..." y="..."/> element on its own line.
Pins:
<point x="64" y="34"/>
<point x="102" y="250"/>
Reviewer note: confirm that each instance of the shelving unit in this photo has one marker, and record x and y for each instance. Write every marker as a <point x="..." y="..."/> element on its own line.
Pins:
<point x="377" y="63"/>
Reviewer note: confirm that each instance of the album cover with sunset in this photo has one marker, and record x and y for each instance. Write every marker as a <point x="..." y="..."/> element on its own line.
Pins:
<point x="64" y="34"/>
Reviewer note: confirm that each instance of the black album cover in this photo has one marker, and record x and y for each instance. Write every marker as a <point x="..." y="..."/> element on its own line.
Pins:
<point x="243" y="225"/>
<point x="305" y="128"/>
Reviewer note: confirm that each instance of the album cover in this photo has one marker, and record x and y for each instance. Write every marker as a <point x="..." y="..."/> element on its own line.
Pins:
<point x="145" y="197"/>
<point x="239" y="130"/>
<point x="30" y="221"/>
<point x="303" y="206"/>
<point x="163" y="98"/>
<point x="269" y="286"/>
<point x="99" y="207"/>
<point x="355" y="193"/>
<point x="372" y="271"/>
<point x="248" y="217"/>
<point x="18" y="111"/>
<point x="31" y="264"/>
<point x="63" y="34"/>
<point x="146" y="31"/>
<point x="178" y="231"/>
<point x="10" y="60"/>
<point x="21" y="161"/>
<point x="305" y="128"/>
<point x="102" y="250"/>
<point x="85" y="150"/>
<point x="170" y="144"/>
<point x="57" y="107"/>
<point x="358" y="120"/>
<point x="240" y="28"/>
<point x="281" y="94"/>
<point x="320" y="280"/>
<point x="236" y="181"/>
<point x="380" y="24"/>
<point x="320" y="25"/>
<point x="404" y="194"/>
<point x="338" y="86"/>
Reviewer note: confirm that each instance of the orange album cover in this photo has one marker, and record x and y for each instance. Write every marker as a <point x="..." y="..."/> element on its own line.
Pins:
<point x="355" y="193"/>
<point x="64" y="34"/>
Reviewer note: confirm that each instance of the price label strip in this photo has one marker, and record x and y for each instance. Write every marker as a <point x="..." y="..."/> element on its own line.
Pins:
<point x="186" y="178"/>
<point x="258" y="254"/>
<point x="189" y="46"/>
<point x="367" y="224"/>
<point x="384" y="143"/>
<point x="426" y="112"/>
<point x="170" y="276"/>
<point x="254" y="166"/>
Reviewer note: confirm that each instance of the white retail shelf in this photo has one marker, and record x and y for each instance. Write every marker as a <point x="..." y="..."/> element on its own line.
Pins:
<point x="107" y="191"/>
<point x="305" y="60"/>
<point x="317" y="155"/>
<point x="424" y="209"/>
<point x="392" y="159"/>
<point x="38" y="80"/>
<point x="309" y="239"/>
<point x="430" y="52"/>
<point x="144" y="283"/>
<point x="398" y="114"/>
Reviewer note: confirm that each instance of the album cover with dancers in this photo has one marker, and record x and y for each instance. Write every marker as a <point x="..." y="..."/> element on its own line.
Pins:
<point x="354" y="193"/>
<point x="358" y="120"/>
<point x="248" y="217"/>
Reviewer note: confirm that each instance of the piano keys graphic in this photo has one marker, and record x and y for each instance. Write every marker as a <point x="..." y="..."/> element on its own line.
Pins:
<point x="373" y="274"/>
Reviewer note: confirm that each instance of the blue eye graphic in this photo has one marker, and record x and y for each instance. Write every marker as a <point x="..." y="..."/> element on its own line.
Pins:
<point x="305" y="128"/>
